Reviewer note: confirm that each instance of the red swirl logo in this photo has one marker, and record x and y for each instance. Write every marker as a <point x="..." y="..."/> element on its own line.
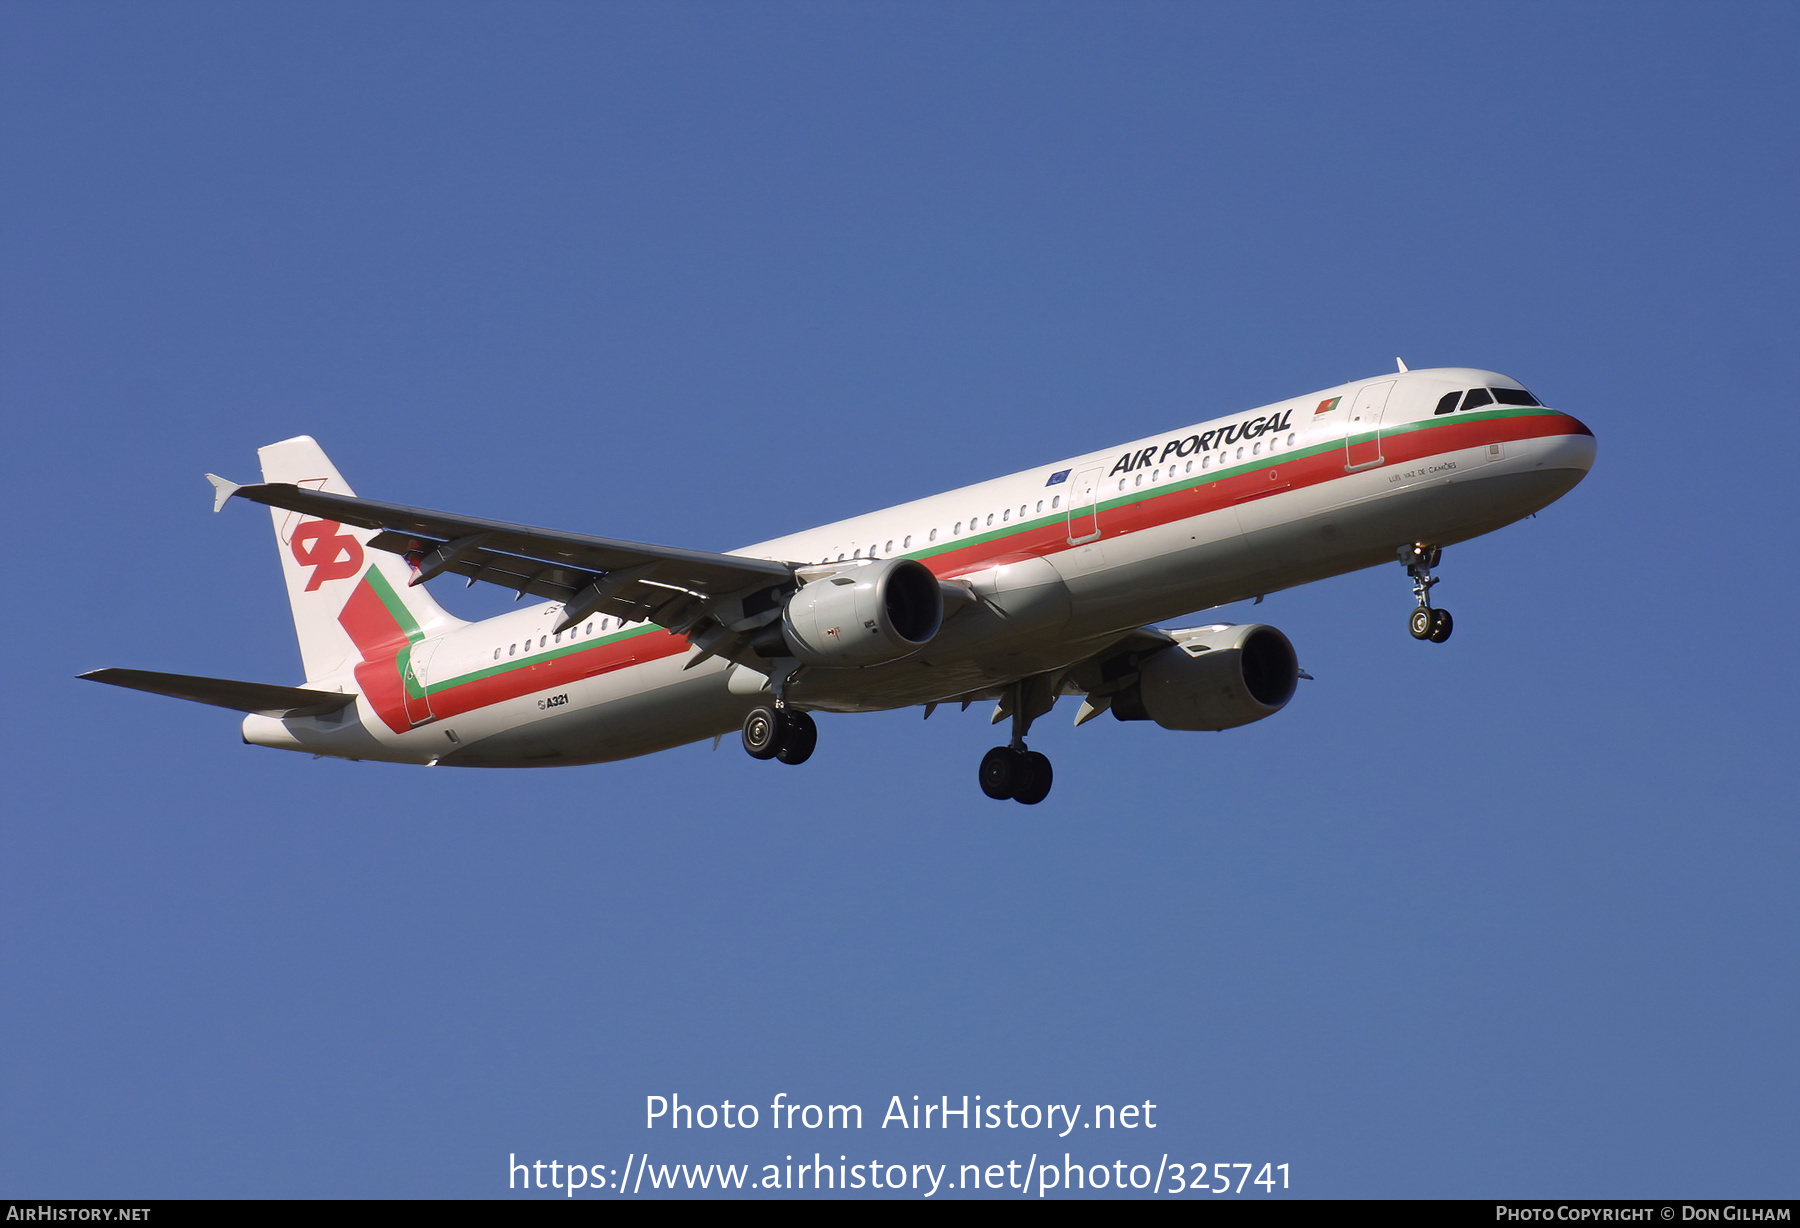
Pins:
<point x="332" y="555"/>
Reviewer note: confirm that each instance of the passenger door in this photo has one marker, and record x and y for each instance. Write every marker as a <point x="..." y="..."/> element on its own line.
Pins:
<point x="1084" y="506"/>
<point x="1362" y="436"/>
<point x="415" y="677"/>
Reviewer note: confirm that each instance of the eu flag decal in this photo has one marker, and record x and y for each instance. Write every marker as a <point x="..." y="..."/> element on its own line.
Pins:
<point x="1061" y="475"/>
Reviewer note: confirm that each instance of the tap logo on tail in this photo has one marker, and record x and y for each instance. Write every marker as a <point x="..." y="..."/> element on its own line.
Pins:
<point x="332" y="555"/>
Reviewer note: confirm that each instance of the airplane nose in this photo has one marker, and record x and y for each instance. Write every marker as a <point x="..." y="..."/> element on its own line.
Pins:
<point x="1573" y="449"/>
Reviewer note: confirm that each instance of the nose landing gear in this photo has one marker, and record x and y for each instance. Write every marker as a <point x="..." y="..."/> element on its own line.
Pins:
<point x="1425" y="623"/>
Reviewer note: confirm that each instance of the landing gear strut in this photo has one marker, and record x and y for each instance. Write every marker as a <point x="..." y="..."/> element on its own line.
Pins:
<point x="1425" y="622"/>
<point x="1012" y="771"/>
<point x="784" y="733"/>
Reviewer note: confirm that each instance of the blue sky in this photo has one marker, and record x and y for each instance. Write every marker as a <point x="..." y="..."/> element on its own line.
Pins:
<point x="1508" y="916"/>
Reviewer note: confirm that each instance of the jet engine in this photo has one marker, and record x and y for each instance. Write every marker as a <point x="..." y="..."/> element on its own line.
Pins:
<point x="863" y="615"/>
<point x="1213" y="678"/>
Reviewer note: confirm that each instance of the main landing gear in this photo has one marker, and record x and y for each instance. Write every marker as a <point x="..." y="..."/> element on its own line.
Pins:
<point x="787" y="734"/>
<point x="1019" y="774"/>
<point x="1011" y="771"/>
<point x="1425" y="622"/>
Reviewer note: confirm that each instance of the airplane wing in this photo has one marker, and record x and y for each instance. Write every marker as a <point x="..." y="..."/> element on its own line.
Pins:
<point x="667" y="585"/>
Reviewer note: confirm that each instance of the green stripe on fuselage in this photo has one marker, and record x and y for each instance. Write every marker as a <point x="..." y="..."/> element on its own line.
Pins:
<point x="1187" y="482"/>
<point x="1192" y="481"/>
<point x="544" y="654"/>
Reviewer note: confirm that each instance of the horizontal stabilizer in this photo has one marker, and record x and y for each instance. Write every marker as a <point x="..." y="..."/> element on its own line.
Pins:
<point x="262" y="698"/>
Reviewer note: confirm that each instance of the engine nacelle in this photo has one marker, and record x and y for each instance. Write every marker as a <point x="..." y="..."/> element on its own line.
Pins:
<point x="1213" y="678"/>
<point x="866" y="615"/>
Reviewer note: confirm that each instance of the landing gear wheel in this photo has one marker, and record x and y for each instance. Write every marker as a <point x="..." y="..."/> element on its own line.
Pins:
<point x="762" y="732"/>
<point x="798" y="737"/>
<point x="1441" y="625"/>
<point x="1034" y="778"/>
<point x="1001" y="773"/>
<point x="1421" y="623"/>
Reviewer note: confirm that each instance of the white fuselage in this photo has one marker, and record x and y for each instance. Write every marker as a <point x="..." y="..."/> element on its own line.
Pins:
<point x="1063" y="559"/>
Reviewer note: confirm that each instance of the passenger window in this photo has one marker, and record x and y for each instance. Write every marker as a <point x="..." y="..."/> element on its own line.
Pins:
<point x="1021" y="511"/>
<point x="512" y="649"/>
<point x="1476" y="398"/>
<point x="1140" y="480"/>
<point x="933" y="535"/>
<point x="857" y="553"/>
<point x="889" y="548"/>
<point x="542" y="640"/>
<point x="1121" y="483"/>
<point x="1188" y="468"/>
<point x="1006" y="515"/>
<point x="1257" y="449"/>
<point x="1513" y="396"/>
<point x="1447" y="404"/>
<point x="1240" y="454"/>
<point x="907" y="544"/>
<point x="1040" y="508"/>
<point x="1056" y="502"/>
<point x="496" y="654"/>
<point x="990" y="518"/>
<point x="1206" y="462"/>
<point x="590" y="628"/>
<point x="1290" y="441"/>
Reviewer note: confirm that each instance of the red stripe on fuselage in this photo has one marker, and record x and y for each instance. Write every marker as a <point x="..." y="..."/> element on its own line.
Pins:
<point x="1182" y="498"/>
<point x="1179" y="503"/>
<point x="550" y="672"/>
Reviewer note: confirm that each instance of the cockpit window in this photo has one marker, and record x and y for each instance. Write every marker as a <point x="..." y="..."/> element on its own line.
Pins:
<point x="1477" y="397"/>
<point x="1448" y="404"/>
<point x="1513" y="396"/>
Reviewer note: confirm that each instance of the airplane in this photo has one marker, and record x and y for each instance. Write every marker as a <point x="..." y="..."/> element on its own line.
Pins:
<point x="1021" y="590"/>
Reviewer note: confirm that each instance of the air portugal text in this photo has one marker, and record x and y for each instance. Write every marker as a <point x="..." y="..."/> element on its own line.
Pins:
<point x="1206" y="441"/>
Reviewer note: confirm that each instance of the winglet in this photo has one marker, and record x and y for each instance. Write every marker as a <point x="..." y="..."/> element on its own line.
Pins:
<point x="1401" y="363"/>
<point x="222" y="490"/>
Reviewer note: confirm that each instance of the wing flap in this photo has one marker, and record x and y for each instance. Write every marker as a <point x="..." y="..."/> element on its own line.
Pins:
<point x="262" y="698"/>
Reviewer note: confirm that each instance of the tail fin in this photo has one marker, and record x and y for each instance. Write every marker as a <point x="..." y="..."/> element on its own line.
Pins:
<point x="327" y="565"/>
